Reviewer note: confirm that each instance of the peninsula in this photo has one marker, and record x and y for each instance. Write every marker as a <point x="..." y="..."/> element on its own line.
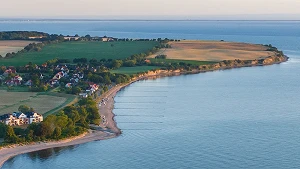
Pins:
<point x="84" y="72"/>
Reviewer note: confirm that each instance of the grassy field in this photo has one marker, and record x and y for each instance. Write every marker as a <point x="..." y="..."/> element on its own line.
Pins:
<point x="214" y="51"/>
<point x="89" y="50"/>
<point x="42" y="102"/>
<point x="8" y="46"/>
<point x="133" y="70"/>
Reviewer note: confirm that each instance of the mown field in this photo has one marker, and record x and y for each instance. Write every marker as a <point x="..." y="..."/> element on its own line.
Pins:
<point x="214" y="51"/>
<point x="42" y="102"/>
<point x="89" y="50"/>
<point x="133" y="70"/>
<point x="8" y="46"/>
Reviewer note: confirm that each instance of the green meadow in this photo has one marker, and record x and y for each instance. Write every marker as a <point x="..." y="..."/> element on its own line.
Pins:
<point x="133" y="70"/>
<point x="89" y="50"/>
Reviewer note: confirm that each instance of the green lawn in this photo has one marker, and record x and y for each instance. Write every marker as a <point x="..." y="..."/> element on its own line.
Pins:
<point x="133" y="70"/>
<point x="192" y="62"/>
<point x="89" y="50"/>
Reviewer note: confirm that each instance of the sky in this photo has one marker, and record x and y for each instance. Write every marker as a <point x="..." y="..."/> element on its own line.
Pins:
<point x="189" y="9"/>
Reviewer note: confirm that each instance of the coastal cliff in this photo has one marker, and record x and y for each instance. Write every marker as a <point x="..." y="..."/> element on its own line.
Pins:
<point x="225" y="64"/>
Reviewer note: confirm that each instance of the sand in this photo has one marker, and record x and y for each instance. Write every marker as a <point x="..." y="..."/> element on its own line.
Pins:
<point x="9" y="152"/>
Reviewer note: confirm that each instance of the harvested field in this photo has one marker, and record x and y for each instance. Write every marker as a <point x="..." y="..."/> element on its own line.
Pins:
<point x="8" y="98"/>
<point x="214" y="51"/>
<point x="8" y="46"/>
<point x="41" y="103"/>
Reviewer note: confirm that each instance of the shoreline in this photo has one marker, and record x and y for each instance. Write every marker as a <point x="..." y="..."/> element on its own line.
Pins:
<point x="109" y="129"/>
<point x="9" y="152"/>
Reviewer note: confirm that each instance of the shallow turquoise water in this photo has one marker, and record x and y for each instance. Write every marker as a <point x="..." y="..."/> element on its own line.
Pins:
<point x="239" y="118"/>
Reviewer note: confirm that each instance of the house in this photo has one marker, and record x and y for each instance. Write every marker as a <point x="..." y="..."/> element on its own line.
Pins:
<point x="9" y="71"/>
<point x="83" y="95"/>
<point x="107" y="39"/>
<point x="7" y="119"/>
<point x="59" y="75"/>
<point x="148" y="61"/>
<point x="28" y="83"/>
<point x="68" y="85"/>
<point x="22" y="118"/>
<point x="71" y="38"/>
<point x="15" y="81"/>
<point x="53" y="82"/>
<point x="18" y="119"/>
<point x="93" y="88"/>
<point x="36" y="37"/>
<point x="34" y="117"/>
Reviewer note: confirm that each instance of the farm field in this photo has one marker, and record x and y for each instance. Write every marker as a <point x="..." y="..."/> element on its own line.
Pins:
<point x="214" y="51"/>
<point x="41" y="102"/>
<point x="133" y="70"/>
<point x="8" y="46"/>
<point x="89" y="50"/>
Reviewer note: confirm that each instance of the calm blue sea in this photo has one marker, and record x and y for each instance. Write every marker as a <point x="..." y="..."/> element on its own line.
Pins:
<point x="239" y="118"/>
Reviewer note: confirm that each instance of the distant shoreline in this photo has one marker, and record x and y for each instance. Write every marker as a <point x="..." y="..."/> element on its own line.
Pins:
<point x="110" y="129"/>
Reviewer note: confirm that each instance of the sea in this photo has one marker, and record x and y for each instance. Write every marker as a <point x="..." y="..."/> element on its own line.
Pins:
<point x="237" y="118"/>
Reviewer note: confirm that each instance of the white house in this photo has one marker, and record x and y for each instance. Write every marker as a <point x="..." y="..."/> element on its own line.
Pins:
<point x="18" y="119"/>
<point x="34" y="117"/>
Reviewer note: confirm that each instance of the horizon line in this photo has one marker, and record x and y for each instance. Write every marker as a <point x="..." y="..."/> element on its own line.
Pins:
<point x="86" y="19"/>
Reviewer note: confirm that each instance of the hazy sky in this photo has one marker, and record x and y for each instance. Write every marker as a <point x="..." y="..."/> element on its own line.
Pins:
<point x="100" y="8"/>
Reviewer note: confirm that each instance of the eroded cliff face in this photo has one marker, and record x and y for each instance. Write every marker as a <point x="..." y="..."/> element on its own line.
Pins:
<point x="226" y="64"/>
<point x="274" y="59"/>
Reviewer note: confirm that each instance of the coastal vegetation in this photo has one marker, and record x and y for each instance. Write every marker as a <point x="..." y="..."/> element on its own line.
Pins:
<point x="134" y="70"/>
<point x="71" y="121"/>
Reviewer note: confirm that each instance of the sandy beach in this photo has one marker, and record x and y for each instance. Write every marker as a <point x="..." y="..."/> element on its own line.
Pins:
<point x="11" y="151"/>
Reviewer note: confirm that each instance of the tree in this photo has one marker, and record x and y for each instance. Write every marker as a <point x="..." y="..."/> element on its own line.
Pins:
<point x="130" y="63"/>
<point x="76" y="90"/>
<point x="117" y="64"/>
<point x="2" y="130"/>
<point x="24" y="109"/>
<point x="107" y="79"/>
<point x="10" y="136"/>
<point x="57" y="133"/>
<point x="30" y="135"/>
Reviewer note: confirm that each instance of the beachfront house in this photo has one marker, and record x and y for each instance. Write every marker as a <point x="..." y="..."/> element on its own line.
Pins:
<point x="18" y="119"/>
